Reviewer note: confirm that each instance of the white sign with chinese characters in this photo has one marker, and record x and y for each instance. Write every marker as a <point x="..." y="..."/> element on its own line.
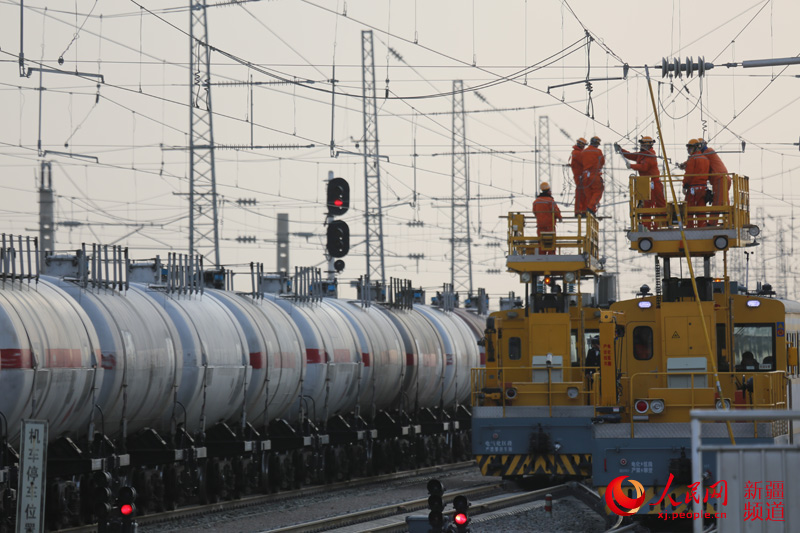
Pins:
<point x="32" y="462"/>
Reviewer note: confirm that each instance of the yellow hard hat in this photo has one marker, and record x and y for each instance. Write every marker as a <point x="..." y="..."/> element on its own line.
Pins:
<point x="581" y="140"/>
<point x="646" y="139"/>
<point x="544" y="186"/>
<point x="595" y="140"/>
<point x="692" y="142"/>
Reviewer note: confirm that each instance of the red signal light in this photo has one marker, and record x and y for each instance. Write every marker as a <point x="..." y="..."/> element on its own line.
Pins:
<point x="338" y="203"/>
<point x="126" y="509"/>
<point x="460" y="519"/>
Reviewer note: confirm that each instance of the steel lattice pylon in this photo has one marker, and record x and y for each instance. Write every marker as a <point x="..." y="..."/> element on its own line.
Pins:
<point x="203" y="222"/>
<point x="372" y="170"/>
<point x="543" y="168"/>
<point x="460" y="242"/>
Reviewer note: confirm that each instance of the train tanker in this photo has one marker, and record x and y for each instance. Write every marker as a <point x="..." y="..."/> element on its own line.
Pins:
<point x="157" y="375"/>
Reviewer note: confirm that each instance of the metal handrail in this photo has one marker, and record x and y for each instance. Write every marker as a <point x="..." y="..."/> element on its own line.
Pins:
<point x="734" y="214"/>
<point x="586" y="241"/>
<point x="588" y="388"/>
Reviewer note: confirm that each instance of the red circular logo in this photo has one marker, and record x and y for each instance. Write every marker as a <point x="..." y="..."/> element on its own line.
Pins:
<point x="615" y="495"/>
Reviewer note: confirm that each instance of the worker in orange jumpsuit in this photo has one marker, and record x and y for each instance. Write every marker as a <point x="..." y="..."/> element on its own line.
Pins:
<point x="695" y="179"/>
<point x="576" y="163"/>
<point x="593" y="162"/>
<point x="647" y="165"/>
<point x="717" y="176"/>
<point x="547" y="212"/>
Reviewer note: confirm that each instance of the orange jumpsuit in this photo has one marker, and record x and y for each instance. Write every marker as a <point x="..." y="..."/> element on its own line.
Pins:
<point x="647" y="165"/>
<point x="694" y="183"/>
<point x="576" y="162"/>
<point x="547" y="212"/>
<point x="593" y="162"/>
<point x="720" y="181"/>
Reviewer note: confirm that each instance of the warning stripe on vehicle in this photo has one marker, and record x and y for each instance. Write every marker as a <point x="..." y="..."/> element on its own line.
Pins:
<point x="578" y="465"/>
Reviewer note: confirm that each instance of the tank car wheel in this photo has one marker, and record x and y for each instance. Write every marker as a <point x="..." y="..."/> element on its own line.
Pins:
<point x="421" y="451"/>
<point x="276" y="473"/>
<point x="239" y="479"/>
<point x="378" y="457"/>
<point x="343" y="463"/>
<point x="397" y="455"/>
<point x="296" y="473"/>
<point x="171" y="488"/>
<point x="213" y="481"/>
<point x="264" y="472"/>
<point x="202" y="483"/>
<point x="330" y="468"/>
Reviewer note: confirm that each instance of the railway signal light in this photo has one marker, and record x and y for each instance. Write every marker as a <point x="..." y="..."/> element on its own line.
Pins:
<point x="126" y="496"/>
<point x="338" y="196"/>
<point x="102" y="499"/>
<point x="338" y="238"/>
<point x="461" y="518"/>
<point x="435" y="504"/>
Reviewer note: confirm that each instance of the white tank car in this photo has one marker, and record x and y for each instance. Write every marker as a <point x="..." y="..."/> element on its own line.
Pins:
<point x="477" y="325"/>
<point x="277" y="355"/>
<point x="50" y="359"/>
<point x="215" y="358"/>
<point x="140" y="356"/>
<point x="460" y="353"/>
<point x="424" y="359"/>
<point x="383" y="364"/>
<point x="333" y="368"/>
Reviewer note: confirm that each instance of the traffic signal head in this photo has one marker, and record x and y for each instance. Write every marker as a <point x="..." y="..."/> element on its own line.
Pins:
<point x="125" y="498"/>
<point x="435" y="504"/>
<point x="461" y="518"/>
<point x="102" y="494"/>
<point x="338" y="238"/>
<point x="338" y="196"/>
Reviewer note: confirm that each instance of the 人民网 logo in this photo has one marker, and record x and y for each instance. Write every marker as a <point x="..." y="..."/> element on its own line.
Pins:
<point x="615" y="496"/>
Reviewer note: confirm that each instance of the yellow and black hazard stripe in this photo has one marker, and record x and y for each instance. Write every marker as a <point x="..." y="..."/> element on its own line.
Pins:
<point x="653" y="495"/>
<point x="577" y="465"/>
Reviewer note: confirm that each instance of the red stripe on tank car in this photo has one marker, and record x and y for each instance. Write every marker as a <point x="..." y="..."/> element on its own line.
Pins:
<point x="64" y="358"/>
<point x="449" y="359"/>
<point x="15" y="358"/>
<point x="409" y="359"/>
<point x="483" y="358"/>
<point x="313" y="356"/>
<point x="365" y="358"/>
<point x="257" y="360"/>
<point x="341" y="356"/>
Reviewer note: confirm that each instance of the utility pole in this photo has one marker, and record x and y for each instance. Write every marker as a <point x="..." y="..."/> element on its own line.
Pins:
<point x="610" y="244"/>
<point x="460" y="242"/>
<point x="373" y="212"/>
<point x="203" y="218"/>
<point x="47" y="230"/>
<point x="543" y="167"/>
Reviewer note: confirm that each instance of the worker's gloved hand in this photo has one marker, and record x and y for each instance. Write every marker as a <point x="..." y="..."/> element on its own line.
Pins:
<point x="709" y="196"/>
<point x="617" y="148"/>
<point x="682" y="166"/>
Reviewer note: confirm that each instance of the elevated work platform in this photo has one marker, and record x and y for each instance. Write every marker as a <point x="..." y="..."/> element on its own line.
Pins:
<point x="709" y="228"/>
<point x="572" y="248"/>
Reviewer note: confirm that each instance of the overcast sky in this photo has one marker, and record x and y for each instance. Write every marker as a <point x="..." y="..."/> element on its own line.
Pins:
<point x="138" y="127"/>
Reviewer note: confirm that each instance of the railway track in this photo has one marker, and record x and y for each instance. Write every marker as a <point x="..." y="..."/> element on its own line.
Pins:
<point x="251" y="501"/>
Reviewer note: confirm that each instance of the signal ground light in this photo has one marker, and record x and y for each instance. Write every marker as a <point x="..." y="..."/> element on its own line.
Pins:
<point x="435" y="504"/>
<point x="461" y="518"/>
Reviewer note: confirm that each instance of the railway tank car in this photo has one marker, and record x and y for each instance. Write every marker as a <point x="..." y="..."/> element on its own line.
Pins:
<point x="160" y="377"/>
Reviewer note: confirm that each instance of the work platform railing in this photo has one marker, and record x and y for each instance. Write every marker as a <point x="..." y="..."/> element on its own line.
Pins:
<point x="733" y="213"/>
<point x="575" y="240"/>
<point x="545" y="386"/>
